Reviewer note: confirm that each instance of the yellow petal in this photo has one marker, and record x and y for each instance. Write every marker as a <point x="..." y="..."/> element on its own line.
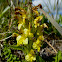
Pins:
<point x="24" y="16"/>
<point x="38" y="49"/>
<point x="34" y="45"/>
<point x="26" y="32"/>
<point x="37" y="13"/>
<point x="36" y="21"/>
<point x="18" y="38"/>
<point x="45" y="26"/>
<point x="31" y="35"/>
<point x="35" y="26"/>
<point x="37" y="33"/>
<point x="38" y="41"/>
<point x="32" y="58"/>
<point x="19" y="26"/>
<point x="25" y="41"/>
<point x="32" y="51"/>
<point x="19" y="43"/>
<point x="27" y="58"/>
<point x="41" y="37"/>
<point x="15" y="34"/>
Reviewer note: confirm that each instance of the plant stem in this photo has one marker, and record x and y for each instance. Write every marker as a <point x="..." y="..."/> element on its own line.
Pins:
<point x="51" y="46"/>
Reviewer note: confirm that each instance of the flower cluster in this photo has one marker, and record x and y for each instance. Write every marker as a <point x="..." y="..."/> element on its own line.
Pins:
<point x="36" y="21"/>
<point x="37" y="43"/>
<point x="29" y="29"/>
<point x="30" y="56"/>
<point x="21" y="40"/>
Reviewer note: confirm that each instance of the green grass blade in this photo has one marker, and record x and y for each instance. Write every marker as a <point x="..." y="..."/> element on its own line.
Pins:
<point x="5" y="10"/>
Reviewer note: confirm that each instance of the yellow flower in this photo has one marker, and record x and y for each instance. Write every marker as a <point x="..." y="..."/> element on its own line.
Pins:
<point x="34" y="45"/>
<point x="30" y="56"/>
<point x="41" y="37"/>
<point x="37" y="45"/>
<point x="24" y="17"/>
<point x="45" y="26"/>
<point x="21" y="21"/>
<point x="27" y="57"/>
<point x="19" y="26"/>
<point x="36" y="21"/>
<point x="15" y="34"/>
<point x="40" y="29"/>
<point x="21" y="9"/>
<point x="38" y="49"/>
<point x="27" y="33"/>
<point x="25" y="41"/>
<point x="37" y="13"/>
<point x="31" y="35"/>
<point x="38" y="41"/>
<point x="21" y="40"/>
<point x="32" y="52"/>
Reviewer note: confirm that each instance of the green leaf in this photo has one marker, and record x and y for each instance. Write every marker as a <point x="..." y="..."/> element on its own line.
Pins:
<point x="5" y="52"/>
<point x="11" y="55"/>
<point x="17" y="58"/>
<point x="5" y="10"/>
<point x="9" y="59"/>
<point x="7" y="56"/>
<point x="24" y="61"/>
<point x="58" y="57"/>
<point x="16" y="47"/>
<point x="14" y="58"/>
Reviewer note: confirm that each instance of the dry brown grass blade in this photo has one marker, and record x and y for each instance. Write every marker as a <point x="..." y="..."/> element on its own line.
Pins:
<point x="50" y="46"/>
